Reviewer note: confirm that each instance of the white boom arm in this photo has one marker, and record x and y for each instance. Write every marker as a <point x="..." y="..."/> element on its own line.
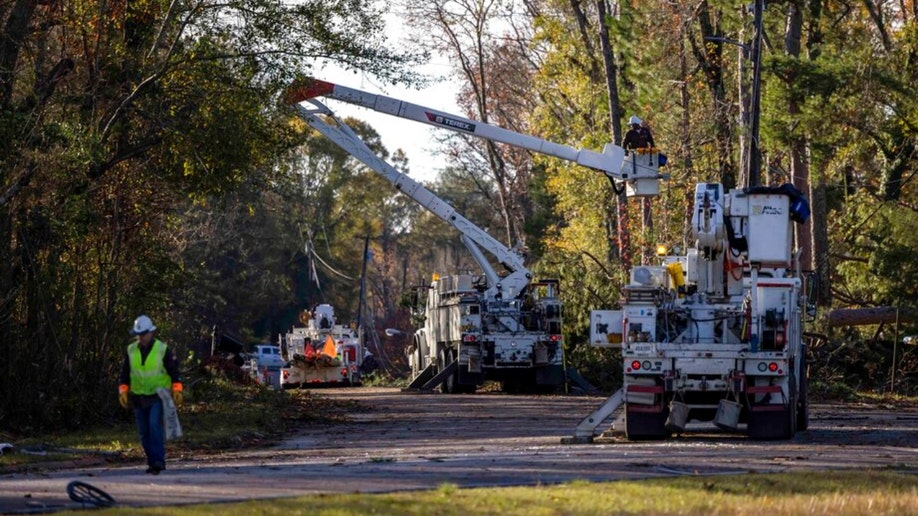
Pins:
<point x="474" y="238"/>
<point x="641" y="179"/>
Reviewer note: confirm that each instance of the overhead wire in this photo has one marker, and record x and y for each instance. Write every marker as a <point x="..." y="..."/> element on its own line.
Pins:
<point x="386" y="363"/>
<point x="314" y="254"/>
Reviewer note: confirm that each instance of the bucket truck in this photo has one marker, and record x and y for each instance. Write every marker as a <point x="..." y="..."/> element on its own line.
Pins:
<point x="714" y="335"/>
<point x="321" y="352"/>
<point x="502" y="327"/>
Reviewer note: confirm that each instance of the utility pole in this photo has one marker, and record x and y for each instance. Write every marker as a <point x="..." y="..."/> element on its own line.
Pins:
<point x="751" y="157"/>
<point x="361" y="305"/>
<point x="753" y="175"/>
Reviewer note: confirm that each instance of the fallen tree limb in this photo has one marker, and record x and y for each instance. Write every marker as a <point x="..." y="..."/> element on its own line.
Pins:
<point x="875" y="315"/>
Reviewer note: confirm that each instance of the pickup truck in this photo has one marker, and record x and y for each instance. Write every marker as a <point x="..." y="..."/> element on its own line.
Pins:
<point x="267" y="355"/>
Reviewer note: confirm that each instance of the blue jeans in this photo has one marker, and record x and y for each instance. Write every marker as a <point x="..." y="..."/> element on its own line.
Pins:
<point x="152" y="437"/>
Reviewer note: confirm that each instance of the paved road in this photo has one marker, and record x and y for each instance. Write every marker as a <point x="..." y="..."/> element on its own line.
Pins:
<point x="397" y="441"/>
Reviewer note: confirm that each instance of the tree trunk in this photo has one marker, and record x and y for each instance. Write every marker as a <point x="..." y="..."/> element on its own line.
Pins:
<point x="615" y="114"/>
<point x="11" y="39"/>
<point x="818" y="194"/>
<point x="709" y="54"/>
<point x="876" y="315"/>
<point x="820" y="235"/>
<point x="799" y="169"/>
<point x="648" y="245"/>
<point x="688" y="198"/>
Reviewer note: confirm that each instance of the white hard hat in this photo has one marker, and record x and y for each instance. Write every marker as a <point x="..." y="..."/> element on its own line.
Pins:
<point x="634" y="120"/>
<point x="142" y="325"/>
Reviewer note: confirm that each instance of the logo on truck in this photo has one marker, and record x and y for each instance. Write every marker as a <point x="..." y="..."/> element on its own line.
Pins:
<point x="766" y="210"/>
<point x="450" y="122"/>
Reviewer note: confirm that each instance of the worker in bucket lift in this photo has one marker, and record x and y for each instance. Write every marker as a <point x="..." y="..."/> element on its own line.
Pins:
<point x="149" y="364"/>
<point x="638" y="137"/>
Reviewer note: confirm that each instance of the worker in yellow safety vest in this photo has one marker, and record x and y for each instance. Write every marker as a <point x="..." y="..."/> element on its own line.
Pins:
<point x="149" y="364"/>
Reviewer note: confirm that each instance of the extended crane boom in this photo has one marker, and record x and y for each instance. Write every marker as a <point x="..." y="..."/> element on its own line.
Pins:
<point x="472" y="236"/>
<point x="508" y="330"/>
<point x="637" y="171"/>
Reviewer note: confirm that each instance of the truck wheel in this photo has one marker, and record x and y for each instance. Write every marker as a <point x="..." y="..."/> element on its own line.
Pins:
<point x="803" y="403"/>
<point x="468" y="389"/>
<point x="772" y="425"/>
<point x="530" y="385"/>
<point x="769" y="425"/>
<point x="643" y="426"/>
<point x="451" y="383"/>
<point x="417" y="362"/>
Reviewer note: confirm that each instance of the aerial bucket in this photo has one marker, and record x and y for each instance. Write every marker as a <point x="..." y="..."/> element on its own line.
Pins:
<point x="727" y="416"/>
<point x="678" y="415"/>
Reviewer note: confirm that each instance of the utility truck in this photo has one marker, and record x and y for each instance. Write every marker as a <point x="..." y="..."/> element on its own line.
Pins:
<point x="506" y="326"/>
<point x="715" y="334"/>
<point x="321" y="352"/>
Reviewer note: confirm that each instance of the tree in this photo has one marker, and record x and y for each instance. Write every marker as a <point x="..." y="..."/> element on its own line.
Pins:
<point x="482" y="38"/>
<point x="114" y="116"/>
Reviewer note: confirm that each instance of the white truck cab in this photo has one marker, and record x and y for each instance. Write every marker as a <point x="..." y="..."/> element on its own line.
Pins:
<point x="267" y="355"/>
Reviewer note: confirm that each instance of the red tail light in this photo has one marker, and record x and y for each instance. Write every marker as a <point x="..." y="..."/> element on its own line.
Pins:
<point x="636" y="365"/>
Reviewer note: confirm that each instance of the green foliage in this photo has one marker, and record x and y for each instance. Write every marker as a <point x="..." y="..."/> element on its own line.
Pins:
<point x="879" y="266"/>
<point x="142" y="159"/>
<point x="602" y="367"/>
<point x="145" y="167"/>
<point x="861" y="361"/>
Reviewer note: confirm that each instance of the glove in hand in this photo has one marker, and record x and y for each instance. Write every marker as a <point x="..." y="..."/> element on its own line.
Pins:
<point x="123" y="399"/>
<point x="178" y="395"/>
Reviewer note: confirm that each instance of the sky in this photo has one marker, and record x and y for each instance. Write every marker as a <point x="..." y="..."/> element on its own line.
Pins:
<point x="414" y="138"/>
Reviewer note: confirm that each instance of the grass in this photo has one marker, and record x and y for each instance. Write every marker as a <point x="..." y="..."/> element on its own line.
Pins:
<point x="835" y="392"/>
<point x="224" y="416"/>
<point x="887" y="398"/>
<point x="836" y="492"/>
<point x="261" y="416"/>
<point x="381" y="379"/>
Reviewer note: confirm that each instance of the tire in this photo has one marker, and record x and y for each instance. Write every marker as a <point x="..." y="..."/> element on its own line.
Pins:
<point x="803" y="402"/>
<point x="510" y="386"/>
<point x="451" y="384"/>
<point x="467" y="389"/>
<point x="777" y="425"/>
<point x="544" y="389"/>
<point x="88" y="494"/>
<point x="458" y="386"/>
<point x="645" y="426"/>
<point x="418" y="363"/>
<point x="770" y="425"/>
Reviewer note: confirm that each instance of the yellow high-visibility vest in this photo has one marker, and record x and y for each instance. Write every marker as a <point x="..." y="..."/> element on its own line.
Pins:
<point x="147" y="376"/>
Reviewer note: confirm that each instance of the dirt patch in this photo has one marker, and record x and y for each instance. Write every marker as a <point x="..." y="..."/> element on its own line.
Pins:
<point x="391" y="440"/>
